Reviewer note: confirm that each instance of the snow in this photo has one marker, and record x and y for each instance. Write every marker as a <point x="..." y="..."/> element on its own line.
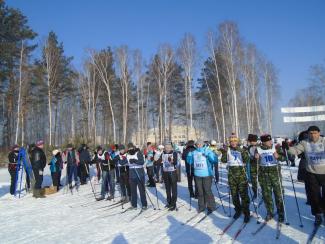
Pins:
<point x="78" y="218"/>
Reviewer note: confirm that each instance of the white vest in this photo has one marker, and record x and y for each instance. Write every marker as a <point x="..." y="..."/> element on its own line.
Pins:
<point x="234" y="158"/>
<point x="167" y="166"/>
<point x="200" y="161"/>
<point x="267" y="157"/>
<point x="315" y="153"/>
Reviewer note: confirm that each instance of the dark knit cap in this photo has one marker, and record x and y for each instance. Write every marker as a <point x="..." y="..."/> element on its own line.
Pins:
<point x="313" y="128"/>
<point x="131" y="145"/>
<point x="121" y="147"/>
<point x="266" y="137"/>
<point x="252" y="137"/>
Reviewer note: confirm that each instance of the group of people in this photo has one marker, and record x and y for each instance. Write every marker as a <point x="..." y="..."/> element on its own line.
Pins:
<point x="250" y="167"/>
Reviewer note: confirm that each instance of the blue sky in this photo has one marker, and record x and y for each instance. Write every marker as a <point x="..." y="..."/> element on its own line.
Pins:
<point x="290" y="33"/>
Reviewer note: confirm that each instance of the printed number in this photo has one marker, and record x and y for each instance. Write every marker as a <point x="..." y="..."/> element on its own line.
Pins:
<point x="269" y="158"/>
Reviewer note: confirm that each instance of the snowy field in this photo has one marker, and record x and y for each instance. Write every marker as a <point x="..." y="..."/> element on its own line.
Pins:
<point x="77" y="218"/>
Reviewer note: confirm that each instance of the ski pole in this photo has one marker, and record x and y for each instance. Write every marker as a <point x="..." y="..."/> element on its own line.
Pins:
<point x="143" y="185"/>
<point x="293" y="186"/>
<point x="216" y="184"/>
<point x="92" y="188"/>
<point x="281" y="190"/>
<point x="229" y="201"/>
<point x="190" y="178"/>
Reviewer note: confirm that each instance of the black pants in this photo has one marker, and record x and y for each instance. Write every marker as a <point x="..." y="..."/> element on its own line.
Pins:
<point x="12" y="181"/>
<point x="138" y="183"/>
<point x="316" y="183"/>
<point x="150" y="173"/>
<point x="205" y="197"/>
<point x="56" y="180"/>
<point x="83" y="173"/>
<point x="170" y="180"/>
<point x="190" y="179"/>
<point x="124" y="184"/>
<point x="38" y="179"/>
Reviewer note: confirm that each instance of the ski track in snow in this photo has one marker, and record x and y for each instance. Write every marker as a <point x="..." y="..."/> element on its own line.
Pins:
<point x="78" y="218"/>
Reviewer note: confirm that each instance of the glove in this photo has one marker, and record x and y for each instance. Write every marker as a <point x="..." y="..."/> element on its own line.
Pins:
<point x="285" y="145"/>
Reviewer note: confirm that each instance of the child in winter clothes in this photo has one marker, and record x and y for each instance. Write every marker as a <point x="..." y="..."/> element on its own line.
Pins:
<point x="55" y="168"/>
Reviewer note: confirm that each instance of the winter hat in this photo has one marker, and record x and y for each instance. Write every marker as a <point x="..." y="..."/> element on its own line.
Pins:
<point x="55" y="152"/>
<point x="69" y="145"/>
<point x="161" y="147"/>
<point x="131" y="145"/>
<point x="252" y="137"/>
<point x="99" y="148"/>
<point x="266" y="137"/>
<point x="313" y="128"/>
<point x="199" y="142"/>
<point x="16" y="146"/>
<point x="303" y="136"/>
<point x="121" y="147"/>
<point x="213" y="143"/>
<point x="39" y="143"/>
<point x="233" y="137"/>
<point x="190" y="143"/>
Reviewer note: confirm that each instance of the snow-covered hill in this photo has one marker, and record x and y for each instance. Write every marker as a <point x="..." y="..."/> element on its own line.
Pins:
<point x="77" y="218"/>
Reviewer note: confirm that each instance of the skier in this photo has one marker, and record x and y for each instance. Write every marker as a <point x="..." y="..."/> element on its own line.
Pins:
<point x="252" y="170"/>
<point x="190" y="147"/>
<point x="213" y="147"/>
<point x="84" y="157"/>
<point x="203" y="158"/>
<point x="302" y="172"/>
<point x="236" y="157"/>
<point x="123" y="168"/>
<point x="38" y="161"/>
<point x="269" y="176"/>
<point x="71" y="158"/>
<point x="55" y="168"/>
<point x="314" y="149"/>
<point x="13" y="158"/>
<point x="157" y="166"/>
<point x="136" y="176"/>
<point x="149" y="155"/>
<point x="169" y="160"/>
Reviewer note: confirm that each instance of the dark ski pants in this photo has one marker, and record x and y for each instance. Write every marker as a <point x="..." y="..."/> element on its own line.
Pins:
<point x="138" y="183"/>
<point x="56" y="180"/>
<point x="72" y="170"/>
<point x="316" y="182"/>
<point x="150" y="173"/>
<point x="12" y="181"/>
<point x="84" y="168"/>
<point x="38" y="179"/>
<point x="190" y="179"/>
<point x="124" y="184"/>
<point x="170" y="180"/>
<point x="205" y="195"/>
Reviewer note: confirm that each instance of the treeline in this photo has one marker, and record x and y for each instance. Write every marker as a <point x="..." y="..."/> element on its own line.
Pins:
<point x="117" y="94"/>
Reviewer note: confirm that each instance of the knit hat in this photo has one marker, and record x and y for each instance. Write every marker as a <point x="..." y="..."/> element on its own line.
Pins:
<point x="131" y="145"/>
<point x="313" y="128"/>
<point x="303" y="136"/>
<point x="39" y="143"/>
<point x="190" y="143"/>
<point x="16" y="146"/>
<point x="199" y="142"/>
<point x="233" y="137"/>
<point x="69" y="145"/>
<point x="99" y="148"/>
<point x="55" y="152"/>
<point x="213" y="143"/>
<point x="161" y="147"/>
<point x="121" y="147"/>
<point x="252" y="138"/>
<point x="266" y="137"/>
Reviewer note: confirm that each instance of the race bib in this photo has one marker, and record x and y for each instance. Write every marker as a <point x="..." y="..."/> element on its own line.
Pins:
<point x="200" y="161"/>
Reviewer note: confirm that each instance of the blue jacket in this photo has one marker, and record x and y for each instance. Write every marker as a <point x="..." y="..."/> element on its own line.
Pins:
<point x="202" y="159"/>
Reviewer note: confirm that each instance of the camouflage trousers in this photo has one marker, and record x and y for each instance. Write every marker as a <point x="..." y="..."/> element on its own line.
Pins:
<point x="237" y="181"/>
<point x="270" y="181"/>
<point x="253" y="174"/>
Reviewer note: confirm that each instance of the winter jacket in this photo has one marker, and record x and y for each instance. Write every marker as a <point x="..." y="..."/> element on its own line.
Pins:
<point x="235" y="156"/>
<point x="314" y="153"/>
<point x="169" y="161"/>
<point x="189" y="167"/>
<point x="202" y="159"/>
<point x="150" y="158"/>
<point x="136" y="161"/>
<point x="13" y="158"/>
<point x="267" y="158"/>
<point x="38" y="159"/>
<point x="55" y="163"/>
<point x="103" y="160"/>
<point x="84" y="156"/>
<point x="122" y="163"/>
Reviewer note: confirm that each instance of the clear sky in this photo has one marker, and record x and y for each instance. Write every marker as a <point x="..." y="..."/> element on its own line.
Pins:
<point x="291" y="33"/>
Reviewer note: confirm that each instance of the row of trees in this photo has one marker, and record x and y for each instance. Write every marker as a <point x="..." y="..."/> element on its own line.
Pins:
<point x="117" y="94"/>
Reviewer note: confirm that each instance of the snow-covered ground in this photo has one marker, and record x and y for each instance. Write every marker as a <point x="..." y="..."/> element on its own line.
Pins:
<point x="78" y="218"/>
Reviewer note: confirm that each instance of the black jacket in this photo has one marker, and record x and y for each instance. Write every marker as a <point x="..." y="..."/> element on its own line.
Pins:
<point x="13" y="158"/>
<point x="189" y="168"/>
<point x="38" y="159"/>
<point x="84" y="156"/>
